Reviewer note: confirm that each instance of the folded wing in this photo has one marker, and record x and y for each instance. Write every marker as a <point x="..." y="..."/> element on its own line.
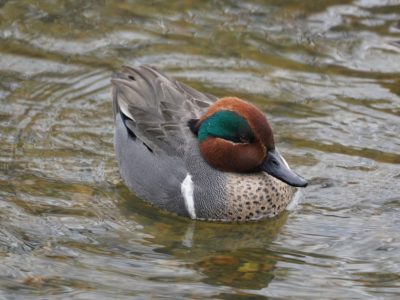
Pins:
<point x="156" y="108"/>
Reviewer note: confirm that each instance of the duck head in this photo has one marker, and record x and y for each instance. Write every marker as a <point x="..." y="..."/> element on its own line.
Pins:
<point x="235" y="136"/>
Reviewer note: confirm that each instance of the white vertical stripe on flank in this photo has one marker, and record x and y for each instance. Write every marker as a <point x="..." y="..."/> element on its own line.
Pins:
<point x="187" y="193"/>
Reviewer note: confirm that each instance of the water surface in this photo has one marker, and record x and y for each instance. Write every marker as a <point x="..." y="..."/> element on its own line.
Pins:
<point x="325" y="72"/>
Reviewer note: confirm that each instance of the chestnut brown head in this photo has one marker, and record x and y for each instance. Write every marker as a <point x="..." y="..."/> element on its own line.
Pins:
<point x="235" y="136"/>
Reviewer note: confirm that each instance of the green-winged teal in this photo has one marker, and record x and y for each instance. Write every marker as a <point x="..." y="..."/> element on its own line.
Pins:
<point x="195" y="155"/>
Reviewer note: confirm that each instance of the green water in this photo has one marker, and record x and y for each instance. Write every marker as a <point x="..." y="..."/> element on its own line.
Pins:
<point x="327" y="74"/>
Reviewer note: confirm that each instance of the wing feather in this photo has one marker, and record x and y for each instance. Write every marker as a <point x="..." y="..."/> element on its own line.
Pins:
<point x="157" y="107"/>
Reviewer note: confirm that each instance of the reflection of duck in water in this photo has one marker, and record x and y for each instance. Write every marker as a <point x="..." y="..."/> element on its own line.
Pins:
<point x="234" y="255"/>
<point x="194" y="155"/>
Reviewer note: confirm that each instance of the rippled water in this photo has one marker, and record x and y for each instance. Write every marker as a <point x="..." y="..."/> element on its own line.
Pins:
<point x="327" y="73"/>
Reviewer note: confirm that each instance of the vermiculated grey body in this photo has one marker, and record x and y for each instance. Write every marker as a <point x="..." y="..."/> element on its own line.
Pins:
<point x="145" y="174"/>
<point x="156" y="151"/>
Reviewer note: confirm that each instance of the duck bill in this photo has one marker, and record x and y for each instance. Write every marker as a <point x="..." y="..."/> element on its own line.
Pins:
<point x="276" y="166"/>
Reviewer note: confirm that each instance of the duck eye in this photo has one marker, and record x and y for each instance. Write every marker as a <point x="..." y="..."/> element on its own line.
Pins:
<point x="244" y="139"/>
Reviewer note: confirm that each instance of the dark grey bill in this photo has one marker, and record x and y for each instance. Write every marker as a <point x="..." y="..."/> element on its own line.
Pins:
<point x="276" y="166"/>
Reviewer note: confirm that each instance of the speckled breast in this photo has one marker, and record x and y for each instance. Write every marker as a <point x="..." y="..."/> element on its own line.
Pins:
<point x="255" y="196"/>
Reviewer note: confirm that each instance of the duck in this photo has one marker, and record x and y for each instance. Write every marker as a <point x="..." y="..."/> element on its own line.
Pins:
<point x="196" y="155"/>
